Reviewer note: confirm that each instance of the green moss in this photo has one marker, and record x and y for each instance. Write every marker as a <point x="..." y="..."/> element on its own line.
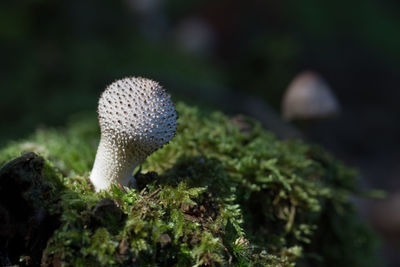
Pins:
<point x="218" y="181"/>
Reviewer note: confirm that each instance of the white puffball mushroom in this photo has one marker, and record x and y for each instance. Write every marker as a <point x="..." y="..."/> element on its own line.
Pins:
<point x="136" y="118"/>
<point x="309" y="97"/>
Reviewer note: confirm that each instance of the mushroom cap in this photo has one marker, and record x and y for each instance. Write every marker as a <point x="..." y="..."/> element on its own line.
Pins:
<point x="137" y="114"/>
<point x="309" y="97"/>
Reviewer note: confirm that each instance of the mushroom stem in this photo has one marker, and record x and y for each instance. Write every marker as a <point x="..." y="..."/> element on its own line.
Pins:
<point x="110" y="167"/>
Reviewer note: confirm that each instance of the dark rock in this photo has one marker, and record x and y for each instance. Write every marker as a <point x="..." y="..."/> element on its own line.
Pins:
<point x="143" y="179"/>
<point x="107" y="214"/>
<point x="25" y="225"/>
<point x="107" y="207"/>
<point x="164" y="240"/>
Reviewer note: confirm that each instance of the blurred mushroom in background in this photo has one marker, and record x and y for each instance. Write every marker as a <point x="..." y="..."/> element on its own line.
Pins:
<point x="152" y="17"/>
<point x="196" y="35"/>
<point x="309" y="97"/>
<point x="385" y="217"/>
<point x="145" y="6"/>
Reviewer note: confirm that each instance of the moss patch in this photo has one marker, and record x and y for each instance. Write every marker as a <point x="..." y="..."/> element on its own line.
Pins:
<point x="223" y="192"/>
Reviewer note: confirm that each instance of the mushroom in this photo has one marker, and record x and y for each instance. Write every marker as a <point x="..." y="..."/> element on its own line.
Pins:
<point x="136" y="118"/>
<point x="309" y="97"/>
<point x="195" y="35"/>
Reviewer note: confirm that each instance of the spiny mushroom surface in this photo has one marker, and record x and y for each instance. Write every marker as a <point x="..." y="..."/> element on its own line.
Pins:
<point x="136" y="118"/>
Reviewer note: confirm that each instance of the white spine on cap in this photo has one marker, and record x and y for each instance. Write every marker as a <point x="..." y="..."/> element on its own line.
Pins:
<point x="136" y="118"/>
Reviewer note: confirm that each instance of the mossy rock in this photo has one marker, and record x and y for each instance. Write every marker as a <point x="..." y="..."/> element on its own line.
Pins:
<point x="224" y="192"/>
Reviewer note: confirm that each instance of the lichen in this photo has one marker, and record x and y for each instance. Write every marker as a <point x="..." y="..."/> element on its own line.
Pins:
<point x="220" y="180"/>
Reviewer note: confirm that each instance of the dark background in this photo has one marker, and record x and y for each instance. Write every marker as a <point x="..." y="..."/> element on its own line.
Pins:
<point x="237" y="56"/>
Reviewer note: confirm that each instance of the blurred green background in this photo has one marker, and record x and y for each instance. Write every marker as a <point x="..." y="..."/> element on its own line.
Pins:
<point x="58" y="56"/>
